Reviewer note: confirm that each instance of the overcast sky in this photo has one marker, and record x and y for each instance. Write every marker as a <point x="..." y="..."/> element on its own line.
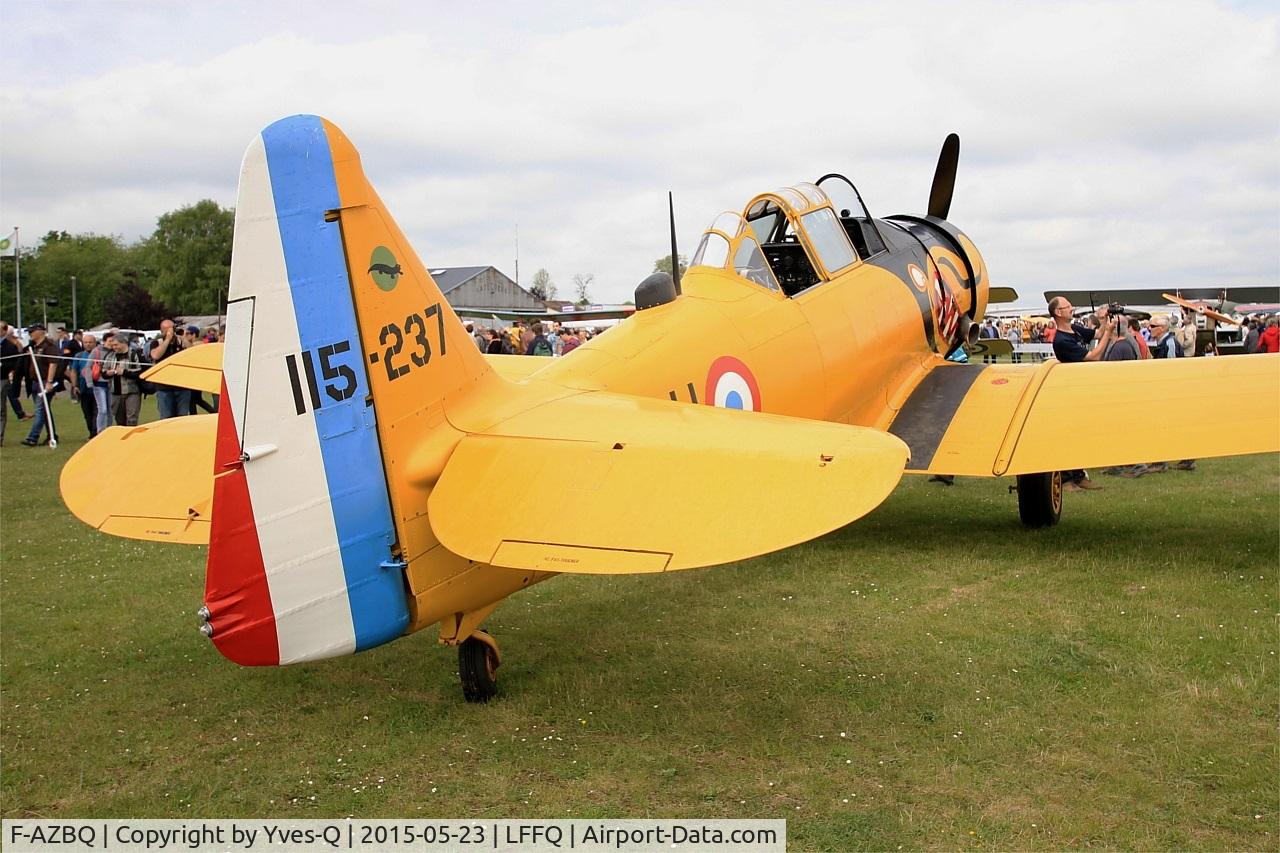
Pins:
<point x="1102" y="143"/>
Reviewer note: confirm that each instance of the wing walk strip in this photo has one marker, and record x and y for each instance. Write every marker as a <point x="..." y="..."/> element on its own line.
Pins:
<point x="929" y="411"/>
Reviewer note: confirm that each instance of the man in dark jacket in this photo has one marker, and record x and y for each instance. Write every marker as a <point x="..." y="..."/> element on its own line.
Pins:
<point x="11" y="362"/>
<point x="1070" y="340"/>
<point x="11" y="368"/>
<point x="46" y="374"/>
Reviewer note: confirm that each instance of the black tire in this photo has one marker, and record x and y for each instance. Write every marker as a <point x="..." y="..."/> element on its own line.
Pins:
<point x="477" y="668"/>
<point x="1040" y="498"/>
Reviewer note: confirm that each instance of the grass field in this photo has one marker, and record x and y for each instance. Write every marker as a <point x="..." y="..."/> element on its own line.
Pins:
<point x="933" y="676"/>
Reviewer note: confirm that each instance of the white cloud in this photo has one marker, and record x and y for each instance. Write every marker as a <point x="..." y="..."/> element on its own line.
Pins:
<point x="1126" y="143"/>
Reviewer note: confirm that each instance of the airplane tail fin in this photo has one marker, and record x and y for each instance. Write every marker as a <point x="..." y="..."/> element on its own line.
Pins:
<point x="328" y="309"/>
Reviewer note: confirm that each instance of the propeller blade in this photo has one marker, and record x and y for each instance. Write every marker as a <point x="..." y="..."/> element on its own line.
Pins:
<point x="675" y="257"/>
<point x="944" y="177"/>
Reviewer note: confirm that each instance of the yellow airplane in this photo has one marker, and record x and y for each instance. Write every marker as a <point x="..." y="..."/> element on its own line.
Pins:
<point x="370" y="473"/>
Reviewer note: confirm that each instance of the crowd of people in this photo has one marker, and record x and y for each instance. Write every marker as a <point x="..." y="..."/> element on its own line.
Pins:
<point x="1175" y="334"/>
<point x="102" y="373"/>
<point x="545" y="339"/>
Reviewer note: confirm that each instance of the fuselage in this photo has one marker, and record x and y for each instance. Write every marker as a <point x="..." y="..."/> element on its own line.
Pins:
<point x="848" y="347"/>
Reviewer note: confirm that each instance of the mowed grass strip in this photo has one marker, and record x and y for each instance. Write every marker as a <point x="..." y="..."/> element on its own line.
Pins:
<point x="933" y="676"/>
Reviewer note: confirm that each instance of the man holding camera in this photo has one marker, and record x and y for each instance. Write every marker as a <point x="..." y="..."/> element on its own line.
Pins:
<point x="1070" y="345"/>
<point x="172" y="401"/>
<point x="1071" y="340"/>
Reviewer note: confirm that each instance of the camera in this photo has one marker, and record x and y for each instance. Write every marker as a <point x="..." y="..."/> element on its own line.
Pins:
<point x="1115" y="309"/>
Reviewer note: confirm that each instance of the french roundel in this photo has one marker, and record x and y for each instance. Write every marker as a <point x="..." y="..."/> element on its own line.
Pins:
<point x="731" y="385"/>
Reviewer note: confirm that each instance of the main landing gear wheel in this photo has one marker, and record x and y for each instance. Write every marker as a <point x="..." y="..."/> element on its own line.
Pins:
<point x="478" y="667"/>
<point x="1040" y="498"/>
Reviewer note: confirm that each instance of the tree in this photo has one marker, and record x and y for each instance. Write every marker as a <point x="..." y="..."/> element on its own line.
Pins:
<point x="96" y="261"/>
<point x="582" y="281"/>
<point x="132" y="307"/>
<point x="542" y="288"/>
<point x="187" y="260"/>
<point x="663" y="264"/>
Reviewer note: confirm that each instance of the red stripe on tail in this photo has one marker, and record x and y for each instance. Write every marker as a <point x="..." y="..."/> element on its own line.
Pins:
<point x="235" y="590"/>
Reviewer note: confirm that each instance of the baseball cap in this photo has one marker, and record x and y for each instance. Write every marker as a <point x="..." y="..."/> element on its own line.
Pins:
<point x="193" y="330"/>
<point x="35" y="326"/>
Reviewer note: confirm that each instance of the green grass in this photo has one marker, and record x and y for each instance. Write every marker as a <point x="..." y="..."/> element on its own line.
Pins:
<point x="933" y="676"/>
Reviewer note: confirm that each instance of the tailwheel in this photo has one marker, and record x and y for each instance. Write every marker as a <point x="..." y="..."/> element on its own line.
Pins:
<point x="478" y="660"/>
<point x="1040" y="498"/>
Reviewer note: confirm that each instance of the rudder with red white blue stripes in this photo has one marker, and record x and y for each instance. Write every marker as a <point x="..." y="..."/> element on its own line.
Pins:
<point x="301" y="560"/>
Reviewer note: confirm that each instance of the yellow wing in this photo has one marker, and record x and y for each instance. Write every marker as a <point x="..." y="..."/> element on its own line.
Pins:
<point x="198" y="367"/>
<point x="601" y="483"/>
<point x="1017" y="419"/>
<point x="146" y="482"/>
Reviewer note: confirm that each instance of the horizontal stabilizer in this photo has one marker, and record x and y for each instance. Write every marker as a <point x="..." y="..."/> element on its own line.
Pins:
<point x="602" y="484"/>
<point x="198" y="368"/>
<point x="1021" y="419"/>
<point x="990" y="348"/>
<point x="146" y="482"/>
<point x="1001" y="295"/>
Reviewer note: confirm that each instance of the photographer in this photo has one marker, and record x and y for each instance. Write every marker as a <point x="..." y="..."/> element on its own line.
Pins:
<point x="172" y="401"/>
<point x="1070" y="342"/>
<point x="1070" y="339"/>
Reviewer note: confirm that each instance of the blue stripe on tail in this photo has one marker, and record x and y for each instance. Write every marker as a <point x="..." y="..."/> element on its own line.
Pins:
<point x="303" y="183"/>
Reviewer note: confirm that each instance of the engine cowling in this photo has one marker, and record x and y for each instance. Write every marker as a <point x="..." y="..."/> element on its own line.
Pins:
<point x="960" y="270"/>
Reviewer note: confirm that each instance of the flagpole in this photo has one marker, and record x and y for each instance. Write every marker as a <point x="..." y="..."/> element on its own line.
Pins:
<point x="17" y="274"/>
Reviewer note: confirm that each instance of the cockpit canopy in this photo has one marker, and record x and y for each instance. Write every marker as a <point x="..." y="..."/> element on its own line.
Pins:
<point x="728" y="240"/>
<point x="789" y="240"/>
